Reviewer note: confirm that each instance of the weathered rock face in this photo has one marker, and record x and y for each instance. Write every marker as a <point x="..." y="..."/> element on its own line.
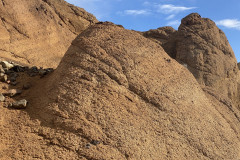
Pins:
<point x="110" y="100"/>
<point x="205" y="50"/>
<point x="161" y="34"/>
<point x="38" y="32"/>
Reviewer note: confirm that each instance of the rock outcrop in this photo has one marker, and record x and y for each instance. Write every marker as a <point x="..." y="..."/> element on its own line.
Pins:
<point x="38" y="32"/>
<point x="201" y="46"/>
<point x="161" y="35"/>
<point x="115" y="94"/>
<point x="110" y="100"/>
<point x="206" y="51"/>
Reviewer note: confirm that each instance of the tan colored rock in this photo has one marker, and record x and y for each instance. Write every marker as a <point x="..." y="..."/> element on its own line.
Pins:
<point x="166" y="37"/>
<point x="2" y="98"/>
<point x="161" y="34"/>
<point x="6" y="65"/>
<point x="201" y="46"/>
<point x="38" y="32"/>
<point x="136" y="102"/>
<point x="13" y="92"/>
<point x="21" y="104"/>
<point x="3" y="77"/>
<point x="206" y="51"/>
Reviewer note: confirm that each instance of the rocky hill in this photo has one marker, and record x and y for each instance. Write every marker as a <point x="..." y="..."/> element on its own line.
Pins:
<point x="38" y="32"/>
<point x="204" y="49"/>
<point x="109" y="100"/>
<point x="117" y="94"/>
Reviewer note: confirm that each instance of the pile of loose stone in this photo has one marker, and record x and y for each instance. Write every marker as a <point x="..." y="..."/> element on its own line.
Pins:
<point x="9" y="72"/>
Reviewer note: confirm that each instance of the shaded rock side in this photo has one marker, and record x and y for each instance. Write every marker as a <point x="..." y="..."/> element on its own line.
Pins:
<point x="165" y="36"/>
<point x="38" y="32"/>
<point x="118" y="95"/>
<point x="161" y="34"/>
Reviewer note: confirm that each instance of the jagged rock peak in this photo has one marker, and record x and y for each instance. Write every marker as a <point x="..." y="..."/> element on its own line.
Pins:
<point x="191" y="19"/>
<point x="196" y="19"/>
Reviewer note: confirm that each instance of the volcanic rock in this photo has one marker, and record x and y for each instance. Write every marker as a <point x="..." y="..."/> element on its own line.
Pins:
<point x="39" y="31"/>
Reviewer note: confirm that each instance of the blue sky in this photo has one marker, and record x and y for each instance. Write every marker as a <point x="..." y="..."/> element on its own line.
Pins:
<point x="143" y="15"/>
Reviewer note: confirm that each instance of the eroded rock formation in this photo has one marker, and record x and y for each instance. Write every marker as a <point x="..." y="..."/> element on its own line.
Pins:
<point x="162" y="34"/>
<point x="38" y="32"/>
<point x="116" y="94"/>
<point x="201" y="46"/>
<point x="115" y="101"/>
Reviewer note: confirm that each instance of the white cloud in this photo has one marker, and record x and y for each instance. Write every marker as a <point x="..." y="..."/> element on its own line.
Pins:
<point x="170" y="16"/>
<point x="174" y="23"/>
<point x="147" y="3"/>
<point x="170" y="9"/>
<point x="229" y="23"/>
<point x="136" y="12"/>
